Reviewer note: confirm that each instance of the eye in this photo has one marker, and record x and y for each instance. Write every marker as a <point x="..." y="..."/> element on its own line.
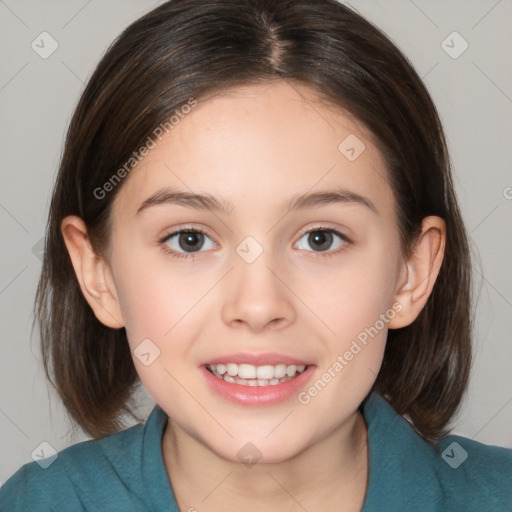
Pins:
<point x="322" y="238"/>
<point x="191" y="241"/>
<point x="187" y="240"/>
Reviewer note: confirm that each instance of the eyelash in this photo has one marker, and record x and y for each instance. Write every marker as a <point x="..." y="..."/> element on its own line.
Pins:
<point x="191" y="256"/>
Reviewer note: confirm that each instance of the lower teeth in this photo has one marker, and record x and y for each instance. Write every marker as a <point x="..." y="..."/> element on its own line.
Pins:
<point x="252" y="382"/>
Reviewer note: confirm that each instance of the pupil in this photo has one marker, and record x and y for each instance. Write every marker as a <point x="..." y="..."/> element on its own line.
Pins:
<point x="323" y="239"/>
<point x="189" y="240"/>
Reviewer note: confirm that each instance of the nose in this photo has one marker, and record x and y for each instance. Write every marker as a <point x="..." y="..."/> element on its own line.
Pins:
<point x="257" y="297"/>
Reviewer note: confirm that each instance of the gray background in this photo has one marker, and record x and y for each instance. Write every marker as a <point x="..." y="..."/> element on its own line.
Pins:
<point x="473" y="93"/>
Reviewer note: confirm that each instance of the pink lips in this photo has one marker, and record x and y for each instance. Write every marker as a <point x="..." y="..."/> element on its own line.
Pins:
<point x="268" y="358"/>
<point x="257" y="395"/>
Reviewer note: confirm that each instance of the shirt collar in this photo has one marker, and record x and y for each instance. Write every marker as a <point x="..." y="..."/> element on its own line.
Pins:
<point x="153" y="466"/>
<point x="402" y="465"/>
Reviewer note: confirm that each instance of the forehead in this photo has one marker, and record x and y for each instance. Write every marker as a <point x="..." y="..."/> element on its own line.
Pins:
<point x="257" y="145"/>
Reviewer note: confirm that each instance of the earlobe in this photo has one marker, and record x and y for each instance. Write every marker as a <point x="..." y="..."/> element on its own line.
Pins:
<point x="420" y="272"/>
<point x="92" y="272"/>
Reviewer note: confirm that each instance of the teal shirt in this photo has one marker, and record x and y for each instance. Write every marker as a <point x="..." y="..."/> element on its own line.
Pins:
<point x="125" y="472"/>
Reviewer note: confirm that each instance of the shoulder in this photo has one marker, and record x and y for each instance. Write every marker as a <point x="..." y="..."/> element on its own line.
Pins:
<point x="483" y="472"/>
<point x="83" y="477"/>
<point x="456" y="474"/>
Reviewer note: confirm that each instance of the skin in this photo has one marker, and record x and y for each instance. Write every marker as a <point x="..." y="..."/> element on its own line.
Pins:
<point x="257" y="146"/>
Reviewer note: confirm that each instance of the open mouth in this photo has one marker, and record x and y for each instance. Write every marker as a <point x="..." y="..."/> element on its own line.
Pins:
<point x="249" y="375"/>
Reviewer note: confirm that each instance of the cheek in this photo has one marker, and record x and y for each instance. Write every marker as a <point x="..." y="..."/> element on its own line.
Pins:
<point x="151" y="298"/>
<point x="354" y="295"/>
<point x="155" y="303"/>
<point x="355" y="306"/>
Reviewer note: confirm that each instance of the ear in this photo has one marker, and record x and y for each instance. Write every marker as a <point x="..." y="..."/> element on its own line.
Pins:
<point x="93" y="273"/>
<point x="420" y="271"/>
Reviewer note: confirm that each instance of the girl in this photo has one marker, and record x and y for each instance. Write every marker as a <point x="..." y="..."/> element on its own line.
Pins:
<point x="255" y="218"/>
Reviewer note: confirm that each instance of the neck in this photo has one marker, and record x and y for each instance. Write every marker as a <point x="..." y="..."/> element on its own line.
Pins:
<point x="331" y="474"/>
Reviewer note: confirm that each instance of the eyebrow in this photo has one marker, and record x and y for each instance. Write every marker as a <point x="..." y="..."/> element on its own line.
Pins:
<point x="208" y="202"/>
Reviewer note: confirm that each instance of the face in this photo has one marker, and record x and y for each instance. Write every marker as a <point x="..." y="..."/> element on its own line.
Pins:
<point x="270" y="285"/>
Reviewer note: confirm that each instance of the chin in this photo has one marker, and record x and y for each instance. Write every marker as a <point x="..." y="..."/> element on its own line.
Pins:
<point x="258" y="450"/>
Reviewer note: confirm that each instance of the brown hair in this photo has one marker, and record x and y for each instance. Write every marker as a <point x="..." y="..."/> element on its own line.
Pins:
<point x="187" y="49"/>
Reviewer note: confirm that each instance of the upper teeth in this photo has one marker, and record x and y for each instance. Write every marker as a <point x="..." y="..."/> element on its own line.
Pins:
<point x="248" y="371"/>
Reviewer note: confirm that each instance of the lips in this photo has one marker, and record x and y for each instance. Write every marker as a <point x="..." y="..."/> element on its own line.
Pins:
<point x="256" y="379"/>
<point x="268" y="358"/>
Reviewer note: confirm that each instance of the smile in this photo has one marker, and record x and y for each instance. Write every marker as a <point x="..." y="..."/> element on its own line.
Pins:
<point x="250" y="375"/>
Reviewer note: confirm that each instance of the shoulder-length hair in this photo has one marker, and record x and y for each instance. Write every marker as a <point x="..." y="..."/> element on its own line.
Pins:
<point x="192" y="49"/>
